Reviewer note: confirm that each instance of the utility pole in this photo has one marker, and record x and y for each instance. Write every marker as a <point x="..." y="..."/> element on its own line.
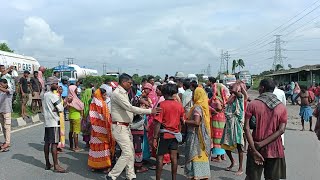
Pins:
<point x="222" y="65"/>
<point x="278" y="58"/>
<point x="226" y="57"/>
<point x="209" y="70"/>
<point x="104" y="68"/>
<point x="70" y="60"/>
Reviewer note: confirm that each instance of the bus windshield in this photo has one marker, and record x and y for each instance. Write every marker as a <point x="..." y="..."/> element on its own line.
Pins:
<point x="66" y="73"/>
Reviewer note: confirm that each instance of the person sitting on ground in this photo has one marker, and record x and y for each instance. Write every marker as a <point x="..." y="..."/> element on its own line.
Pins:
<point x="305" y="107"/>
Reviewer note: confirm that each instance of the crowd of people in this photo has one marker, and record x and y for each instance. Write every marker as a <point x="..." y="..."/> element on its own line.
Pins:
<point x="154" y="119"/>
<point x="125" y="124"/>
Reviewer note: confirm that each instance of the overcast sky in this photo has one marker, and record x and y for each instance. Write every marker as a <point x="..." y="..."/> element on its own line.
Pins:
<point x="158" y="37"/>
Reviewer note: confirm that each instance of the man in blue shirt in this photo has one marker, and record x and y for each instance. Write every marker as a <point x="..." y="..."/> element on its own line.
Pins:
<point x="64" y="94"/>
<point x="65" y="88"/>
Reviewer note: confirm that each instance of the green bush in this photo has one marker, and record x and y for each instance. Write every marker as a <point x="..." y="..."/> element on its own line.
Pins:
<point x="97" y="80"/>
<point x="16" y="108"/>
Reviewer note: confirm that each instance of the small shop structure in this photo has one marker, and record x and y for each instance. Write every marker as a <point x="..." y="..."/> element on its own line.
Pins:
<point x="305" y="75"/>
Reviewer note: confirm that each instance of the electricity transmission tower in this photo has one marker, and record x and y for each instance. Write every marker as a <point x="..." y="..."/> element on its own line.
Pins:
<point x="222" y="65"/>
<point x="209" y="70"/>
<point x="278" y="58"/>
<point x="226" y="58"/>
<point x="70" y="60"/>
<point x="104" y="68"/>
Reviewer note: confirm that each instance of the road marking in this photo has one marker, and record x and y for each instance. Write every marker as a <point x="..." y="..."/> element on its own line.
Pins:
<point x="27" y="127"/>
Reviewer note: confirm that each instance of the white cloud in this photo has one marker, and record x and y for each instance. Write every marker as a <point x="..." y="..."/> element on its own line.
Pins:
<point x="23" y="5"/>
<point x="3" y="41"/>
<point x="155" y="37"/>
<point x="37" y="34"/>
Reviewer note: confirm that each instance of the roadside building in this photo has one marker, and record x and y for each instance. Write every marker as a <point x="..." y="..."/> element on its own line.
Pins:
<point x="305" y="75"/>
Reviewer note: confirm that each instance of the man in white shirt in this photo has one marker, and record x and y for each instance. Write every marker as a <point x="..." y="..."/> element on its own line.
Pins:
<point x="282" y="97"/>
<point x="52" y="106"/>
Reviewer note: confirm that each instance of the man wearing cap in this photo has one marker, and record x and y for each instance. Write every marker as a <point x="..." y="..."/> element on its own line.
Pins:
<point x="24" y="93"/>
<point x="52" y="106"/>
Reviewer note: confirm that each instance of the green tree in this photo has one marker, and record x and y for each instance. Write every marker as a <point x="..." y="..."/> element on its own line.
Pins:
<point x="240" y="64"/>
<point x="48" y="73"/>
<point x="97" y="81"/>
<point x="289" y="66"/>
<point x="278" y="67"/>
<point x="200" y="77"/>
<point x="234" y="65"/>
<point x="5" y="47"/>
<point x="136" y="78"/>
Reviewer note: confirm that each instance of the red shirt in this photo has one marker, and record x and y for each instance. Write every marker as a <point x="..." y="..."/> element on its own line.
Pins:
<point x="317" y="91"/>
<point x="267" y="123"/>
<point x="170" y="116"/>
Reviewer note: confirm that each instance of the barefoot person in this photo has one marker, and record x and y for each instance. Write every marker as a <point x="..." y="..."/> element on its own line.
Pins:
<point x="86" y="98"/>
<point x="52" y="107"/>
<point x="76" y="108"/>
<point x="166" y="129"/>
<point x="305" y="108"/>
<point x="102" y="144"/>
<point x="137" y="99"/>
<point x="218" y="119"/>
<point x="198" y="142"/>
<point x="24" y="93"/>
<point x="35" y="91"/>
<point x="233" y="132"/>
<point x="265" y="145"/>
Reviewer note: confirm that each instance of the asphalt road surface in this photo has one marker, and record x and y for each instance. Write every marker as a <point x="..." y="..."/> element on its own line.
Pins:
<point x="25" y="160"/>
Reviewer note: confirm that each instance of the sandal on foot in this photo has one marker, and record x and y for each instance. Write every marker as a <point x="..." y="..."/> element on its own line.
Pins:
<point x="5" y="150"/>
<point x="153" y="167"/>
<point x="77" y="150"/>
<point x="216" y="160"/>
<point x="228" y="169"/>
<point x="60" y="171"/>
<point x="142" y="170"/>
<point x="48" y="167"/>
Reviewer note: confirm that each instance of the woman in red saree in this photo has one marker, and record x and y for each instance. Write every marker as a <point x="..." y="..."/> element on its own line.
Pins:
<point x="102" y="145"/>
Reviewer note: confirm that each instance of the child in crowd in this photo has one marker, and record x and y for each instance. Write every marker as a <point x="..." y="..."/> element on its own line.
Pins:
<point x="167" y="129"/>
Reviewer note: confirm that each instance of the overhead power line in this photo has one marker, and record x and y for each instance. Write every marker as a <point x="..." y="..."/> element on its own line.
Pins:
<point x="273" y="31"/>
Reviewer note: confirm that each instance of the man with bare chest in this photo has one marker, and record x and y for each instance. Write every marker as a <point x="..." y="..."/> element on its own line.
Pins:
<point x="305" y="108"/>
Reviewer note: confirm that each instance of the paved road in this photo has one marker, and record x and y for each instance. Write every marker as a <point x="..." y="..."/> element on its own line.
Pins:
<point x="26" y="161"/>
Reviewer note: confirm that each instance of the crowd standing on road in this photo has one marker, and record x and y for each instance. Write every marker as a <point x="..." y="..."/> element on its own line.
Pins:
<point x="153" y="119"/>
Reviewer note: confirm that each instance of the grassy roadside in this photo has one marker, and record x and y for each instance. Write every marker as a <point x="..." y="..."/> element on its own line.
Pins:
<point x="16" y="108"/>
